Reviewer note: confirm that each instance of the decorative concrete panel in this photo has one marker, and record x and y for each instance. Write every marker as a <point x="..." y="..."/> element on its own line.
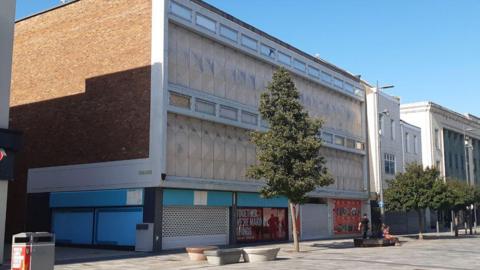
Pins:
<point x="346" y="169"/>
<point x="203" y="149"/>
<point x="227" y="73"/>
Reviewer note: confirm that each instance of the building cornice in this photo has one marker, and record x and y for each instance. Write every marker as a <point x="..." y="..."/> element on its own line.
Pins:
<point x="276" y="40"/>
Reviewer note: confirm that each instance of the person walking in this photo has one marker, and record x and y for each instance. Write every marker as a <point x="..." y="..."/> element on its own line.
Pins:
<point x="364" y="226"/>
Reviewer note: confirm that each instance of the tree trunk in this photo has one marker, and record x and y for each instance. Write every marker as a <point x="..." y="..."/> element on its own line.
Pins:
<point x="455" y="223"/>
<point x="420" y="224"/>
<point x="438" y="223"/>
<point x="294" y="227"/>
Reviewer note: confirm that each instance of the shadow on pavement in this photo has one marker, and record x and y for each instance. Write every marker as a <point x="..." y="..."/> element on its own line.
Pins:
<point x="335" y="245"/>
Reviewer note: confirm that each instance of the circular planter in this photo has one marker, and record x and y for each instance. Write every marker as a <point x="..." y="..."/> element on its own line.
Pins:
<point x="196" y="253"/>
<point x="260" y="254"/>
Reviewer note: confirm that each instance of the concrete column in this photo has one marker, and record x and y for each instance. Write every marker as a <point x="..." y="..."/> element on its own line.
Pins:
<point x="7" y="20"/>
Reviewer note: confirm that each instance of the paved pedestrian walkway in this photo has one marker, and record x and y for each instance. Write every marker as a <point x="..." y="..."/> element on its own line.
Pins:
<point x="443" y="253"/>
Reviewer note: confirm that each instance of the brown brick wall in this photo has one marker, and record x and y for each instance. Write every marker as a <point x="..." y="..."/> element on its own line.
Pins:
<point x="80" y="89"/>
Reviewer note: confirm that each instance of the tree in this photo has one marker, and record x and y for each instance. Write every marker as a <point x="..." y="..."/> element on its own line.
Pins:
<point x="442" y="201"/>
<point x="289" y="152"/>
<point x="415" y="189"/>
<point x="460" y="196"/>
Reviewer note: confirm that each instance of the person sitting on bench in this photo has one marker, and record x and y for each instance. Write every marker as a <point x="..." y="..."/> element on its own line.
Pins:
<point x="388" y="236"/>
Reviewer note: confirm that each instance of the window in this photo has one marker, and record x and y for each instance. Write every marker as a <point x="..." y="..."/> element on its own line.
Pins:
<point x="437" y="139"/>
<point x="314" y="72"/>
<point x="249" y="118"/>
<point x="392" y="129"/>
<point x="456" y="161"/>
<point x="249" y="42"/>
<point x="327" y="78"/>
<point x="206" y="23"/>
<point x="337" y="82"/>
<point x="450" y="160"/>
<point x="228" y="112"/>
<point x="229" y="33"/>
<point x="299" y="65"/>
<point x="267" y="51"/>
<point x="327" y="137"/>
<point x="181" y="11"/>
<point x="349" y="87"/>
<point x="351" y="143"/>
<point x="462" y="162"/>
<point x="380" y="124"/>
<point x="389" y="164"/>
<point x="339" y="140"/>
<point x="284" y="58"/>
<point x="179" y="100"/>
<point x="415" y="144"/>
<point x="204" y="106"/>
<point x="407" y="142"/>
<point x="359" y="146"/>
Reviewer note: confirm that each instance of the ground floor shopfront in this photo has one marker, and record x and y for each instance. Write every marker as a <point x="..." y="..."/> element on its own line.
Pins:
<point x="186" y="217"/>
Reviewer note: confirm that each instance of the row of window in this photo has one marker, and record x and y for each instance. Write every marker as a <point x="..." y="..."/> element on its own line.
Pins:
<point x="210" y="108"/>
<point x="265" y="50"/>
<point x="207" y="107"/>
<point x="342" y="141"/>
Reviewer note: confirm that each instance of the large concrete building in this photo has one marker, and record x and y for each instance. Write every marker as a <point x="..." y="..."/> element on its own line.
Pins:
<point x="450" y="141"/>
<point x="138" y="111"/>
<point x="9" y="142"/>
<point x="393" y="144"/>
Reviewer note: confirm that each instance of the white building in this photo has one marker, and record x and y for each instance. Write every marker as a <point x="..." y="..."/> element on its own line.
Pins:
<point x="450" y="140"/>
<point x="7" y="16"/>
<point x="393" y="144"/>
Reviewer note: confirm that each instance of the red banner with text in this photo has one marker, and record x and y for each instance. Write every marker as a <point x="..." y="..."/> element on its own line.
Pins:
<point x="346" y="216"/>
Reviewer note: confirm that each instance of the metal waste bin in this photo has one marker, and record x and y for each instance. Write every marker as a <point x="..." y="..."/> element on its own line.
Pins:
<point x="33" y="251"/>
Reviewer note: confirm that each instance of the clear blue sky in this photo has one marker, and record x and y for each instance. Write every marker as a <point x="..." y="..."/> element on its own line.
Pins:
<point x="429" y="49"/>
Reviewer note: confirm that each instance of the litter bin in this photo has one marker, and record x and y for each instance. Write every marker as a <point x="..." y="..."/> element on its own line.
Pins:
<point x="33" y="251"/>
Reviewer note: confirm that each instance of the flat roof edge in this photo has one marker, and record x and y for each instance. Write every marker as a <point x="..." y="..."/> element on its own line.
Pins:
<point x="46" y="11"/>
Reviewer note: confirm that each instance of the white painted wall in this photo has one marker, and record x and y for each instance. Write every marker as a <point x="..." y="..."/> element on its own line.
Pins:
<point x="390" y="140"/>
<point x="7" y="17"/>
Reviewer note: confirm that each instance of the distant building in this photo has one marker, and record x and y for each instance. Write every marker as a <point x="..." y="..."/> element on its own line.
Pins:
<point x="138" y="111"/>
<point x="450" y="141"/>
<point x="393" y="144"/>
<point x="8" y="138"/>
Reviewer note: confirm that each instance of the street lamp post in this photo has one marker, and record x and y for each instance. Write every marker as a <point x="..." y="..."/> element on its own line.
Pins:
<point x="379" y="138"/>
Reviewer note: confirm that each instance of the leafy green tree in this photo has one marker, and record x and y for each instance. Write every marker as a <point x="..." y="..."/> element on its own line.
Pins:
<point x="415" y="189"/>
<point x="288" y="153"/>
<point x="460" y="196"/>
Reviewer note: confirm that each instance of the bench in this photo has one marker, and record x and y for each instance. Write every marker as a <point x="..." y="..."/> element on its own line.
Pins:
<point x="223" y="256"/>
<point x="197" y="253"/>
<point x="378" y="242"/>
<point x="260" y="254"/>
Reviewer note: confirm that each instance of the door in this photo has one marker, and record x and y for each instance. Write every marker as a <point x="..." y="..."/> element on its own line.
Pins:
<point x="314" y="221"/>
<point x="194" y="225"/>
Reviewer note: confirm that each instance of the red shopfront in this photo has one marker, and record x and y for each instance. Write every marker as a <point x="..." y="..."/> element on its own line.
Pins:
<point x="261" y="224"/>
<point x="346" y="216"/>
<point x="260" y="219"/>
